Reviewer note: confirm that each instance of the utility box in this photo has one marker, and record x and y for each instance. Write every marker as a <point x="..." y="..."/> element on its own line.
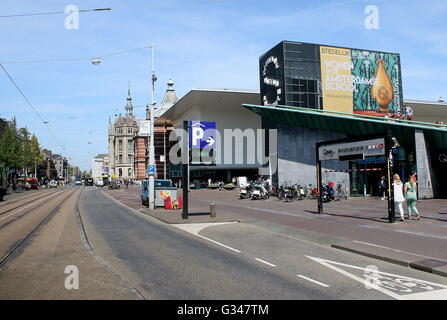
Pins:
<point x="164" y="189"/>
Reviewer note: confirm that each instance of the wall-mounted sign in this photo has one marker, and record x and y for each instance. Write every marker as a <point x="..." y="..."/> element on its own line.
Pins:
<point x="144" y="128"/>
<point x="270" y="78"/>
<point x="353" y="150"/>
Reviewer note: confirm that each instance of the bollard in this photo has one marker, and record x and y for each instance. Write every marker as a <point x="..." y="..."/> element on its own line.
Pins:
<point x="212" y="210"/>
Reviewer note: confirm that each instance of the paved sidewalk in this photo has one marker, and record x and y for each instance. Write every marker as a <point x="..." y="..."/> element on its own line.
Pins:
<point x="362" y="222"/>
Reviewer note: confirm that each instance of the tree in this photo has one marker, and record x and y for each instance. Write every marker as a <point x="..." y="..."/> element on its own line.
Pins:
<point x="34" y="155"/>
<point x="8" y="147"/>
<point x="18" y="149"/>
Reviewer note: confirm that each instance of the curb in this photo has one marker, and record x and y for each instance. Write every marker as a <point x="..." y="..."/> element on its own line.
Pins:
<point x="187" y="221"/>
<point x="429" y="265"/>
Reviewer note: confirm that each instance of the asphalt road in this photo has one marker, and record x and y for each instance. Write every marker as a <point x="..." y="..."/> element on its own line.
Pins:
<point x="254" y="260"/>
<point x="121" y="253"/>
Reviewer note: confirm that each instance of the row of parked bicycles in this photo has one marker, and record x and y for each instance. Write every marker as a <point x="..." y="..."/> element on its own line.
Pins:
<point x="260" y="189"/>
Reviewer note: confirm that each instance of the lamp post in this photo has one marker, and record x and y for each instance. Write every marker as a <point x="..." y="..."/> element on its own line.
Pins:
<point x="152" y="136"/>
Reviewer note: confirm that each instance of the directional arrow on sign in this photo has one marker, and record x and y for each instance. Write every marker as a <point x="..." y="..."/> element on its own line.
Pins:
<point x="210" y="141"/>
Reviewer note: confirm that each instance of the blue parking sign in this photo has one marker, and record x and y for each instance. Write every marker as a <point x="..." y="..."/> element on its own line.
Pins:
<point x="151" y="170"/>
<point x="202" y="135"/>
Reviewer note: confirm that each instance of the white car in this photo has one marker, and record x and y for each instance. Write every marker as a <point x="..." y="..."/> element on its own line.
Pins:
<point x="78" y="183"/>
<point x="53" y="184"/>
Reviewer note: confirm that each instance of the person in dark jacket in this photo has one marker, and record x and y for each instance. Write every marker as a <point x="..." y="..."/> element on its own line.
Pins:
<point x="382" y="187"/>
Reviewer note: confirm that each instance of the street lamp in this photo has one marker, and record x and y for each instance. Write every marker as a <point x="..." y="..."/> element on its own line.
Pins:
<point x="151" y="197"/>
<point x="392" y="149"/>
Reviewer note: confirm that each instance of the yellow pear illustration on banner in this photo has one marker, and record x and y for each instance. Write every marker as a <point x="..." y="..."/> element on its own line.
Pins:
<point x="382" y="90"/>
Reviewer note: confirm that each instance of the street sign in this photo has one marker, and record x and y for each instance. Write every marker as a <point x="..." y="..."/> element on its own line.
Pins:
<point x="356" y="150"/>
<point x="144" y="128"/>
<point x="202" y="135"/>
<point x="202" y="142"/>
<point x="151" y="170"/>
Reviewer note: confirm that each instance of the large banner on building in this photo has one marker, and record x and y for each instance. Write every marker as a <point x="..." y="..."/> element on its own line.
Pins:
<point x="360" y="81"/>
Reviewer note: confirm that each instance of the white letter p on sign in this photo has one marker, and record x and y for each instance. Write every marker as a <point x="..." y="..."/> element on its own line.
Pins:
<point x="197" y="134"/>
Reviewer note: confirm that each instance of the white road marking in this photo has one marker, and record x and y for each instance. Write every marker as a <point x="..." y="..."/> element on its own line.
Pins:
<point x="314" y="281"/>
<point x="119" y="202"/>
<point x="266" y="262"/>
<point x="31" y="204"/>
<point x="218" y="243"/>
<point x="195" y="228"/>
<point x="385" y="282"/>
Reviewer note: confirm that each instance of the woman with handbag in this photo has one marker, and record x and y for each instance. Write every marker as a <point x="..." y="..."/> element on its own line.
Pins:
<point x="399" y="195"/>
<point x="411" y="196"/>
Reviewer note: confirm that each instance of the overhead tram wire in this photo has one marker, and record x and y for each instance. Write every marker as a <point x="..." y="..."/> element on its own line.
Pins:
<point x="75" y="59"/>
<point x="115" y="8"/>
<point x="31" y="105"/>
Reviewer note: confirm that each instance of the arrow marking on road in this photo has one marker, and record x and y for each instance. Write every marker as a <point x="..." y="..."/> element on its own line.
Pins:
<point x="396" y="286"/>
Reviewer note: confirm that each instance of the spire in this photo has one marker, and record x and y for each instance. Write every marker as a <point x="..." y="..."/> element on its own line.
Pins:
<point x="129" y="107"/>
<point x="169" y="99"/>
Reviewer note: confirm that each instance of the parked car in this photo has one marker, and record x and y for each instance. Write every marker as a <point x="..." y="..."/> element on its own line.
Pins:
<point x="33" y="183"/>
<point x="78" y="183"/>
<point x="53" y="184"/>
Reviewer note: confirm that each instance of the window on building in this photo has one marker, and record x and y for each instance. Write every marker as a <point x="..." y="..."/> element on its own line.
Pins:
<point x="175" y="170"/>
<point x="129" y="130"/>
<point x="120" y="159"/>
<point x="120" y="172"/>
<point x="120" y="145"/>
<point x="130" y="145"/>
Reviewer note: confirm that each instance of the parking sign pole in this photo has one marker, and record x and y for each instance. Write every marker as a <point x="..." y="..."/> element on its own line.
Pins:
<point x="320" y="196"/>
<point x="185" y="168"/>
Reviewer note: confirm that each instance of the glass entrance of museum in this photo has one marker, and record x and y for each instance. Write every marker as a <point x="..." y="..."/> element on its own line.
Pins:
<point x="365" y="174"/>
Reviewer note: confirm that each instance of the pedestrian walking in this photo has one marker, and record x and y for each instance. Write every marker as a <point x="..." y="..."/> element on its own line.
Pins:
<point x="399" y="198"/>
<point x="411" y="196"/>
<point x="382" y="187"/>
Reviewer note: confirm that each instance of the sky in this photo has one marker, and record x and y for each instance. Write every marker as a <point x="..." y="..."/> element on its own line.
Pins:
<point x="198" y="44"/>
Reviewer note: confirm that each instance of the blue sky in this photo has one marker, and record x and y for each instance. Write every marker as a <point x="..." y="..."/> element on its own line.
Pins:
<point x="198" y="44"/>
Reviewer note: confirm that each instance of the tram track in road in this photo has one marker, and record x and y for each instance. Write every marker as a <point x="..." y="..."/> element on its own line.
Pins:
<point x="26" y="209"/>
<point x="17" y="245"/>
<point x="26" y="200"/>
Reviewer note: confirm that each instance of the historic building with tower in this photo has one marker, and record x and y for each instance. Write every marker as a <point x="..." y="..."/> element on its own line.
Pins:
<point x="121" y="148"/>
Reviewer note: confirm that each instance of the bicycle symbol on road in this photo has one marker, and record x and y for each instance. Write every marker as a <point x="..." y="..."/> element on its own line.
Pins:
<point x="396" y="286"/>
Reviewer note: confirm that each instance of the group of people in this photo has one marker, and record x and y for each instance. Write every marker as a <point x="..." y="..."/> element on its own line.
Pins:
<point x="403" y="193"/>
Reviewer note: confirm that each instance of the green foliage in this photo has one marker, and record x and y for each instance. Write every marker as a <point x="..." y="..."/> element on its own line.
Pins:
<point x="10" y="147"/>
<point x="18" y="149"/>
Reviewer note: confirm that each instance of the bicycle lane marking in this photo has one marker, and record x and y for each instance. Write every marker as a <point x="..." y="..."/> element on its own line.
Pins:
<point x="396" y="286"/>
